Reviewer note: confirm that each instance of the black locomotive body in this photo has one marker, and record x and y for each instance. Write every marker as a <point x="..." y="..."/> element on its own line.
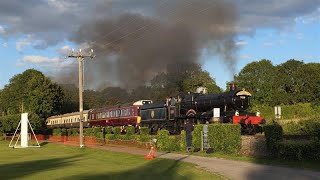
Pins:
<point x="200" y="108"/>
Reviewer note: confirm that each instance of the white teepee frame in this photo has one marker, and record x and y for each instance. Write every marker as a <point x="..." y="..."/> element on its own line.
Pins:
<point x="24" y="133"/>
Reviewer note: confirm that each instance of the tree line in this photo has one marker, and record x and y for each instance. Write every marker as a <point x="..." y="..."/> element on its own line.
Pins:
<point x="33" y="92"/>
<point x="284" y="84"/>
<point x="288" y="83"/>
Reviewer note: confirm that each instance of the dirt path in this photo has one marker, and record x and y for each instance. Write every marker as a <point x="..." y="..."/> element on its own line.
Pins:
<point x="231" y="169"/>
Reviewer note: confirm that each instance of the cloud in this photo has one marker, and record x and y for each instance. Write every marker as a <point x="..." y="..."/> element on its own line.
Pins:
<point x="39" y="59"/>
<point x="2" y="30"/>
<point x="5" y="45"/>
<point x="241" y="43"/>
<point x="276" y="14"/>
<point x="47" y="63"/>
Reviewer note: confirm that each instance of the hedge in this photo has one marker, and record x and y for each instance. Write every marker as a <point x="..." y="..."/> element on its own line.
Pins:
<point x="183" y="143"/>
<point x="298" y="150"/>
<point x="144" y="131"/>
<point x="165" y="142"/>
<point x="196" y="135"/>
<point x="273" y="134"/>
<point x="225" y="138"/>
<point x="108" y="130"/>
<point x="56" y="132"/>
<point x="310" y="127"/>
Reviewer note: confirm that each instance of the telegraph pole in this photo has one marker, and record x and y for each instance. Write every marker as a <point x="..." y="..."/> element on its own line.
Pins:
<point x="80" y="57"/>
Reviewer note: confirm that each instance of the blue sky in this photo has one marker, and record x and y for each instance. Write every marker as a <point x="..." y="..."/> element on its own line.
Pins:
<point x="37" y="37"/>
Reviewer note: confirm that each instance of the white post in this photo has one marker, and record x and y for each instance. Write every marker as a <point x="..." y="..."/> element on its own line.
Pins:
<point x="24" y="130"/>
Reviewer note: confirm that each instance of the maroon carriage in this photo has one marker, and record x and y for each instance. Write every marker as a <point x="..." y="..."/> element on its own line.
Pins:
<point x="122" y="115"/>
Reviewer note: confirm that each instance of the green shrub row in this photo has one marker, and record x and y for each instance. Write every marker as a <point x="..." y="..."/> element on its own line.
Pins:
<point x="273" y="134"/>
<point x="298" y="150"/>
<point x="225" y="138"/>
<point x="309" y="127"/>
<point x="297" y="111"/>
<point x="289" y="149"/>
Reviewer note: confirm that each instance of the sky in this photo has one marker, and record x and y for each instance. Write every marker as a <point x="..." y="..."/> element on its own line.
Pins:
<point x="39" y="34"/>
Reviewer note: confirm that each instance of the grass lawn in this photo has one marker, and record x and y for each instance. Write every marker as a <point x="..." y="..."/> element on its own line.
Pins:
<point x="53" y="161"/>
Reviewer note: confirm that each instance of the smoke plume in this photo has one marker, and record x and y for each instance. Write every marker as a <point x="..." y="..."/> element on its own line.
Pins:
<point x="132" y="47"/>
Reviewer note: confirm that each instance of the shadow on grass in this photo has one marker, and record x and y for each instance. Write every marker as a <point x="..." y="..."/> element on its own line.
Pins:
<point x="21" y="169"/>
<point x="153" y="170"/>
<point x="43" y="143"/>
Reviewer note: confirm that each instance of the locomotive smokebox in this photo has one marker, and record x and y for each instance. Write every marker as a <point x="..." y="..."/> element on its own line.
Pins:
<point x="233" y="86"/>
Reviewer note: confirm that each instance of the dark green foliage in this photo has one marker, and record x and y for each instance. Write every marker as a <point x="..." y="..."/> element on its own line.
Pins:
<point x="225" y="138"/>
<point x="308" y="127"/>
<point x="116" y="131"/>
<point x="10" y="122"/>
<point x="108" y="130"/>
<point x="64" y="132"/>
<point x="69" y="132"/>
<point x="144" y="131"/>
<point x="196" y="136"/>
<point x="89" y="132"/>
<point x="75" y="132"/>
<point x="274" y="134"/>
<point x="143" y="137"/>
<point x="110" y="136"/>
<point x="299" y="150"/>
<point x="130" y="130"/>
<point x="57" y="132"/>
<point x="99" y="135"/>
<point x="165" y="142"/>
<point x="33" y="92"/>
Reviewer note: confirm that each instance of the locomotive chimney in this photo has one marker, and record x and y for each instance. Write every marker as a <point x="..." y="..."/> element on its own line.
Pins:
<point x="233" y="86"/>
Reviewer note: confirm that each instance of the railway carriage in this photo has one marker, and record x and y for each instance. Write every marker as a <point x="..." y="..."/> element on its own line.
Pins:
<point x="68" y="120"/>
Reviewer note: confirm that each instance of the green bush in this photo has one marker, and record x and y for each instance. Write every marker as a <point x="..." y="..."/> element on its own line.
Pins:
<point x="183" y="143"/>
<point x="130" y="130"/>
<point x="143" y="138"/>
<point x="225" y="138"/>
<point x="273" y="134"/>
<point x="144" y="131"/>
<point x="116" y="131"/>
<point x="88" y="131"/>
<point x="99" y="135"/>
<point x="57" y="132"/>
<point x="196" y="135"/>
<point x="297" y="111"/>
<point x="165" y="142"/>
<point x="69" y="132"/>
<point x="64" y="132"/>
<point x="110" y="136"/>
<point x="75" y="132"/>
<point x="108" y="130"/>
<point x="298" y="150"/>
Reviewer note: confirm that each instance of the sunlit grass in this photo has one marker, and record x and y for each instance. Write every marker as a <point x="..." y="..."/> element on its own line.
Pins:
<point x="53" y="161"/>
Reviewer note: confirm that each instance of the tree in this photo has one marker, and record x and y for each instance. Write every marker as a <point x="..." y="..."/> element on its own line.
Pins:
<point x="32" y="92"/>
<point x="200" y="79"/>
<point x="289" y="82"/>
<point x="258" y="78"/>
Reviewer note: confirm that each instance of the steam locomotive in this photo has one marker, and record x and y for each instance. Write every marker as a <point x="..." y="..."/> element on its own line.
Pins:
<point x="200" y="108"/>
<point x="172" y="114"/>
